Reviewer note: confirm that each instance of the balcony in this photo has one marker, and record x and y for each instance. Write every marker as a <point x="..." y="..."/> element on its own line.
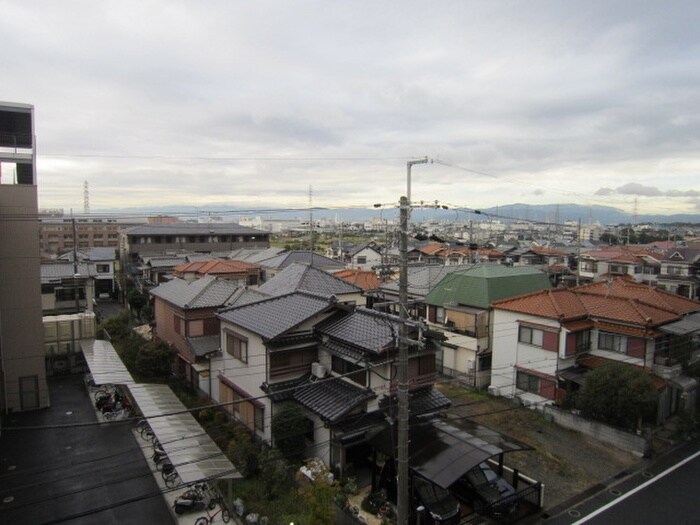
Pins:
<point x="666" y="367"/>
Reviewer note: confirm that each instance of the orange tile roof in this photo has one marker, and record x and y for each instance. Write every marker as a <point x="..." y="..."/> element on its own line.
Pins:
<point x="431" y="249"/>
<point x="619" y="301"/>
<point x="365" y="279"/>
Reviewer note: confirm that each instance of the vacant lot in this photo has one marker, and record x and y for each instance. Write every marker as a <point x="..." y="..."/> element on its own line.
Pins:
<point x="567" y="462"/>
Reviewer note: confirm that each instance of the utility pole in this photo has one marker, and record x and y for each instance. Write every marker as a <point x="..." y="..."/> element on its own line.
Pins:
<point x="402" y="497"/>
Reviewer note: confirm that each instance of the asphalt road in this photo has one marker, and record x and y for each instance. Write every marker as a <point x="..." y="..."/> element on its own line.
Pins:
<point x="671" y="497"/>
<point x="89" y="474"/>
<point x="665" y="491"/>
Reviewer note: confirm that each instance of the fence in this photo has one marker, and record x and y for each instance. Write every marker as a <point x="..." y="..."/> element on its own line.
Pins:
<point x="637" y="445"/>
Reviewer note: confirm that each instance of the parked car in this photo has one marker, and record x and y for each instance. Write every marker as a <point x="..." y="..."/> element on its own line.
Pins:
<point x="439" y="506"/>
<point x="487" y="492"/>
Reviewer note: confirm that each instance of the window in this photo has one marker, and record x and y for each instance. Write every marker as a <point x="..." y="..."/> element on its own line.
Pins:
<point x="544" y="338"/>
<point x="237" y="346"/>
<point x="439" y="314"/>
<point x="102" y="268"/>
<point x="177" y="325"/>
<point x="527" y="382"/>
<point x="530" y="335"/>
<point x="292" y="361"/>
<point x="583" y="341"/>
<point x="361" y="259"/>
<point x="195" y="328"/>
<point x="610" y="342"/>
<point x="674" y="270"/>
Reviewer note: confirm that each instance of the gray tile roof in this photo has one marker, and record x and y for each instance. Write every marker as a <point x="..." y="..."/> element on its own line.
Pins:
<point x="246" y="296"/>
<point x="207" y="292"/>
<point x="91" y="254"/>
<point x="285" y="259"/>
<point x="366" y="329"/>
<point x="332" y="398"/>
<point x="420" y="401"/>
<point x="188" y="228"/>
<point x="63" y="270"/>
<point x="422" y="279"/>
<point x="299" y="276"/>
<point x="200" y="346"/>
<point x="252" y="255"/>
<point x="272" y="317"/>
<point x="164" y="262"/>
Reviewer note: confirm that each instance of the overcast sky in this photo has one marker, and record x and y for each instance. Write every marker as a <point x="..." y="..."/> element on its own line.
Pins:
<point x="249" y="103"/>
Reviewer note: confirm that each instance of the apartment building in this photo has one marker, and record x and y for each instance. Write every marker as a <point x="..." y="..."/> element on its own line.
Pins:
<point x="22" y="360"/>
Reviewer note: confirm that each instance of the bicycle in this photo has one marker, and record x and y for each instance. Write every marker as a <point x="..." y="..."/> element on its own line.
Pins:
<point x="209" y="518"/>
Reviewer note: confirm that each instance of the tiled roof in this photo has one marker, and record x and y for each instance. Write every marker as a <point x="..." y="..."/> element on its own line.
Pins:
<point x="308" y="278"/>
<point x="252" y="255"/>
<point x="420" y="401"/>
<point x="618" y="300"/>
<point x="687" y="255"/>
<point x="365" y="279"/>
<point x="482" y="284"/>
<point x="285" y="259"/>
<point x="274" y="316"/>
<point x="200" y="346"/>
<point x="643" y="293"/>
<point x="246" y="296"/>
<point x="554" y="304"/>
<point x="366" y="329"/>
<point x="163" y="262"/>
<point x="207" y="292"/>
<point x="63" y="270"/>
<point x="214" y="267"/>
<point x="91" y="254"/>
<point x="422" y="279"/>
<point x="332" y="398"/>
<point x="188" y="228"/>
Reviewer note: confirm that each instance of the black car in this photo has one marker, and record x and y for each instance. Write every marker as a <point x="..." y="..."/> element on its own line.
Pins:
<point x="486" y="491"/>
<point x="438" y="505"/>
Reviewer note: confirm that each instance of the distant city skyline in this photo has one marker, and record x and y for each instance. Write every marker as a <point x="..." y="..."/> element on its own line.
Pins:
<point x="249" y="105"/>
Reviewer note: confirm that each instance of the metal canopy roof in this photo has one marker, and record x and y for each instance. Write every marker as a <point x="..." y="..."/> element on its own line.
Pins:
<point x="687" y="325"/>
<point x="190" y="449"/>
<point x="105" y="365"/>
<point x="443" y="453"/>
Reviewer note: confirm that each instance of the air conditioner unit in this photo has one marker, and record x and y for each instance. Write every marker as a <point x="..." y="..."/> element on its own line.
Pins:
<point x="494" y="390"/>
<point x="318" y="370"/>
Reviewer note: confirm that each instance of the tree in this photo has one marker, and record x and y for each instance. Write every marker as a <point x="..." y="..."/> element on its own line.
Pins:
<point x="608" y="238"/>
<point x="289" y="426"/>
<point x="155" y="359"/>
<point x="137" y="300"/>
<point x="116" y="326"/>
<point x="618" y="394"/>
<point x="274" y="472"/>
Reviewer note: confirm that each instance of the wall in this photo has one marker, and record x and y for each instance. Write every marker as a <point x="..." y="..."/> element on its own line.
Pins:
<point x="637" y="445"/>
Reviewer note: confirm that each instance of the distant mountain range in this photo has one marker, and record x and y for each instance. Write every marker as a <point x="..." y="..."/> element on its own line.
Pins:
<point x="541" y="213"/>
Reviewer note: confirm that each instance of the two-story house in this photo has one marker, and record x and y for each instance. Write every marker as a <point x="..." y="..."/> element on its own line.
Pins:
<point x="334" y="360"/>
<point x="459" y="306"/>
<point x="240" y="272"/>
<point x="544" y="342"/>
<point x="640" y="264"/>
<point x="185" y="317"/>
<point x="680" y="272"/>
<point x="366" y="256"/>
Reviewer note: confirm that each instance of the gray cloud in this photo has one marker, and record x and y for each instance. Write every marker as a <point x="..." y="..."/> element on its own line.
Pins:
<point x="566" y="99"/>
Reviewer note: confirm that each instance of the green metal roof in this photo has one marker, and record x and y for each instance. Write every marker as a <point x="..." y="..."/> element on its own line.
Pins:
<point x="480" y="285"/>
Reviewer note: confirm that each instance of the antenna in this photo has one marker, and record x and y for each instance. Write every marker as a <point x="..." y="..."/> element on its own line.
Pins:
<point x="86" y="198"/>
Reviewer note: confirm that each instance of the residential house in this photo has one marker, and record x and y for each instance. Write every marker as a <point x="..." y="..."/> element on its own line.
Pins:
<point x="421" y="280"/>
<point x="302" y="277"/>
<point x="185" y="317"/>
<point x="63" y="290"/>
<point x="241" y="272"/>
<point x="551" y="260"/>
<point x="680" y="272"/>
<point x="366" y="256"/>
<point x="57" y="232"/>
<point x="640" y="264"/>
<point x="544" y="342"/>
<point x="101" y="263"/>
<point x="459" y="306"/>
<point x="334" y="360"/>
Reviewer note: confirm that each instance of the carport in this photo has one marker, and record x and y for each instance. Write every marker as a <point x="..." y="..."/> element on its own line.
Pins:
<point x="443" y="453"/>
